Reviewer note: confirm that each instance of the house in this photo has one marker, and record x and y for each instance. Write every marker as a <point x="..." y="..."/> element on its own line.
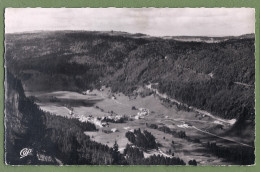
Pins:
<point x="114" y="97"/>
<point x="211" y="75"/>
<point x="71" y="111"/>
<point x="143" y="112"/>
<point x="137" y="117"/>
<point x="104" y="124"/>
<point x="86" y="92"/>
<point x="114" y="130"/>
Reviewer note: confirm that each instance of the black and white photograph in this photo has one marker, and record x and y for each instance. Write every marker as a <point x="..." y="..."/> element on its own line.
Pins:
<point x="130" y="86"/>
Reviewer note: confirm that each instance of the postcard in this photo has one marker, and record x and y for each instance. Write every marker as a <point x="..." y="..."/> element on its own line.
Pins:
<point x="130" y="86"/>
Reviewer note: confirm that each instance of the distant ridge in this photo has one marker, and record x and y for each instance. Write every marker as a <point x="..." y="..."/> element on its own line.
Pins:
<point x="209" y="39"/>
<point x="206" y="39"/>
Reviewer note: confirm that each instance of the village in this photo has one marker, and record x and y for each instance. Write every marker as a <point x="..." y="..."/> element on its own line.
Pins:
<point x="104" y="121"/>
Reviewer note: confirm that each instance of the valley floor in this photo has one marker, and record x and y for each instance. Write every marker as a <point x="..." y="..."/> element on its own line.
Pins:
<point x="142" y="112"/>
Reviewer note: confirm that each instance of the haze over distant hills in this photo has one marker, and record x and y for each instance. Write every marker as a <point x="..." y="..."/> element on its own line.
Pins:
<point x="142" y="35"/>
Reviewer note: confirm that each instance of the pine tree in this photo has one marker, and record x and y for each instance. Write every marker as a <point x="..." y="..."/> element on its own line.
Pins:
<point x="115" y="154"/>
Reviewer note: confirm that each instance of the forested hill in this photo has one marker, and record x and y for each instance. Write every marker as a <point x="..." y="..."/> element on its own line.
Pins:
<point x="217" y="77"/>
<point x="24" y="124"/>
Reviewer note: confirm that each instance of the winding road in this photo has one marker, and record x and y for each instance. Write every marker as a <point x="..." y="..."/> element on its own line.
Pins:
<point x="221" y="137"/>
<point x="230" y="122"/>
<point x="206" y="132"/>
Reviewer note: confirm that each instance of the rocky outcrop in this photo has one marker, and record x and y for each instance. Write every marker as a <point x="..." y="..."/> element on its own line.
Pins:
<point x="24" y="126"/>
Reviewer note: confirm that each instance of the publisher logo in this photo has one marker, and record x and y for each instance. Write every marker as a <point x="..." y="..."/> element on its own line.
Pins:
<point x="25" y="152"/>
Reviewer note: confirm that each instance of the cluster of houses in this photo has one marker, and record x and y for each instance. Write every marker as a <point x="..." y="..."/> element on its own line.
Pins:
<point x="94" y="120"/>
<point x="99" y="121"/>
<point x="142" y="113"/>
<point x="116" y="118"/>
<point x="184" y="125"/>
<point x="88" y="92"/>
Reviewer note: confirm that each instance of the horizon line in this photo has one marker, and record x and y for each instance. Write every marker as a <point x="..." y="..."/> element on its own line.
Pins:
<point x="38" y="31"/>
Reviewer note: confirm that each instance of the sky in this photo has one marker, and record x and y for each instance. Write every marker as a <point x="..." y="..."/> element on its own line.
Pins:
<point x="150" y="21"/>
